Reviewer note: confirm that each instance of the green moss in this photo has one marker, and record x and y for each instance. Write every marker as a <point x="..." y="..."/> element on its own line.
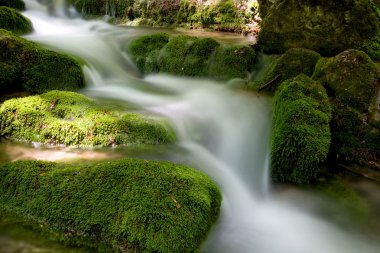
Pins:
<point x="347" y="131"/>
<point x="301" y="135"/>
<point x="144" y="51"/>
<point x="45" y="70"/>
<point x="27" y="66"/>
<point x="232" y="62"/>
<point x="71" y="119"/>
<point x="130" y="205"/>
<point x="294" y="62"/>
<point x="12" y="20"/>
<point x="199" y="58"/>
<point x="318" y="25"/>
<point x="173" y="55"/>
<point x="351" y="77"/>
<point x="190" y="56"/>
<point x="16" y="4"/>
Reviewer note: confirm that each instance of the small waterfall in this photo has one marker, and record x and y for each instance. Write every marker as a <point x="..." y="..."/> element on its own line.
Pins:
<point x="224" y="133"/>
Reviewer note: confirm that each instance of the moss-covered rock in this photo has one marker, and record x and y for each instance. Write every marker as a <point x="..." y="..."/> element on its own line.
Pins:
<point x="294" y="62"/>
<point x="145" y="50"/>
<point x="16" y="4"/>
<point x="130" y="205"/>
<point x="190" y="56"/>
<point x="173" y="55"/>
<point x="328" y="27"/>
<point x="71" y="119"/>
<point x="27" y="66"/>
<point x="12" y="20"/>
<point x="351" y="77"/>
<point x="301" y="135"/>
<point x="232" y="62"/>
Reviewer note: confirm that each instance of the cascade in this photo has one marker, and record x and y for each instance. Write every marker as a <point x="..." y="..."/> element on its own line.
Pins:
<point x="224" y="134"/>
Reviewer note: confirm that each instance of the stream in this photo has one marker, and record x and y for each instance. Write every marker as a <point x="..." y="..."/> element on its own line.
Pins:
<point x="221" y="132"/>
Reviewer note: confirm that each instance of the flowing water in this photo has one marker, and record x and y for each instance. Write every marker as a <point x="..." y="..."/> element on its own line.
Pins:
<point x="223" y="133"/>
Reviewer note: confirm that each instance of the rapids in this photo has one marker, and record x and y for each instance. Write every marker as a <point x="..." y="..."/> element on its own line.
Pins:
<point x="224" y="133"/>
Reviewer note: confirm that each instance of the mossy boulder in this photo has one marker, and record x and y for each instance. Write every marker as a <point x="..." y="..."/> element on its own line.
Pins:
<point x="328" y="27"/>
<point x="27" y="66"/>
<point x="294" y="62"/>
<point x="351" y="77"/>
<point x="71" y="119"/>
<point x="232" y="62"/>
<point x="301" y="135"/>
<point x="145" y="50"/>
<point x="191" y="56"/>
<point x="16" y="4"/>
<point x="130" y="205"/>
<point x="172" y="57"/>
<point x="12" y="20"/>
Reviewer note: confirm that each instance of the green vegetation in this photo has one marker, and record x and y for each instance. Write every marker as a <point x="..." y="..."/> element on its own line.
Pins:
<point x="12" y="20"/>
<point x="16" y="4"/>
<point x="353" y="138"/>
<point x="351" y="77"/>
<point x="228" y="15"/>
<point x="26" y="66"/>
<point x="71" y="119"/>
<point x="172" y="57"/>
<point x="129" y="205"/>
<point x="145" y="50"/>
<point x="328" y="27"/>
<point x="294" y="62"/>
<point x="232" y="62"/>
<point x="301" y="135"/>
<point x="190" y="56"/>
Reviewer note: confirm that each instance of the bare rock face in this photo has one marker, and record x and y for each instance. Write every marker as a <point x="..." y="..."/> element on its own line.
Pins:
<point x="328" y="27"/>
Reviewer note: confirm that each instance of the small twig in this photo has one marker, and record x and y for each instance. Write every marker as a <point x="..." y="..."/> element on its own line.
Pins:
<point x="271" y="82"/>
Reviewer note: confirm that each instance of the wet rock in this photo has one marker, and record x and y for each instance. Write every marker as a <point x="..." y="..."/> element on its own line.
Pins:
<point x="12" y="20"/>
<point x="328" y="27"/>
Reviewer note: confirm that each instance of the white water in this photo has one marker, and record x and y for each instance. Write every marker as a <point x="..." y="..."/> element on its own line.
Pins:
<point x="226" y="135"/>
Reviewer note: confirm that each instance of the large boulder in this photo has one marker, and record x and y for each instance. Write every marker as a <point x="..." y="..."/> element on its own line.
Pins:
<point x="27" y="66"/>
<point x="12" y="20"/>
<point x="328" y="27"/>
<point x="294" y="62"/>
<point x="71" y="119"/>
<point x="351" y="77"/>
<point x="301" y="133"/>
<point x="352" y="81"/>
<point x="130" y="205"/>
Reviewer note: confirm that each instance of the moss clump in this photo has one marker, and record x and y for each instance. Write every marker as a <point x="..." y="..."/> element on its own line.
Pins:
<point x="27" y="66"/>
<point x="173" y="55"/>
<point x="186" y="55"/>
<point x="129" y="205"/>
<point x="198" y="58"/>
<point x="13" y="21"/>
<point x="301" y="135"/>
<point x="294" y="62"/>
<point x="232" y="62"/>
<point x="190" y="56"/>
<point x="351" y="77"/>
<point x="68" y="118"/>
<point x="144" y="51"/>
<point x="318" y="25"/>
<point x="16" y="4"/>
